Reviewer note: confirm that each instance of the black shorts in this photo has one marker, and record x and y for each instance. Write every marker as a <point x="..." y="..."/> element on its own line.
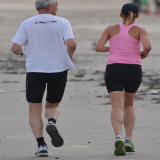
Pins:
<point x="36" y="85"/>
<point x="119" y="77"/>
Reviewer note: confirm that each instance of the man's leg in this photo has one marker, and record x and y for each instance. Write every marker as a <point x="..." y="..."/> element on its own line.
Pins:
<point x="36" y="123"/>
<point x="52" y="110"/>
<point x="35" y="87"/>
<point x="51" y="113"/>
<point x="35" y="120"/>
<point x="55" y="90"/>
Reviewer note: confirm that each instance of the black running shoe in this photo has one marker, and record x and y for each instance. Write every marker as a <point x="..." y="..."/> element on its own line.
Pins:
<point x="57" y="140"/>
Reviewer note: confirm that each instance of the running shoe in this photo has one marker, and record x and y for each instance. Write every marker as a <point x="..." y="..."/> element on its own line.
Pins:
<point x="56" y="139"/>
<point x="129" y="145"/>
<point x="119" y="147"/>
<point x="42" y="151"/>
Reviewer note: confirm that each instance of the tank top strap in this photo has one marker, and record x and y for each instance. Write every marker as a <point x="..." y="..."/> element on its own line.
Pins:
<point x="124" y="29"/>
<point x="122" y="26"/>
<point x="130" y="26"/>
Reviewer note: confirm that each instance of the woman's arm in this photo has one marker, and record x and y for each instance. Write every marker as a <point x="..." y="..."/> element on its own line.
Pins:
<point x="102" y="41"/>
<point x="144" y="37"/>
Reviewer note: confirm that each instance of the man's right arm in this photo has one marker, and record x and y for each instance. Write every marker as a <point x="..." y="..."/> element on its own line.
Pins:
<point x="69" y="38"/>
<point x="71" y="47"/>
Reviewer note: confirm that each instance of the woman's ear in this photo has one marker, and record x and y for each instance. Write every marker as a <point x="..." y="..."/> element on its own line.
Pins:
<point x="137" y="16"/>
<point x="121" y="15"/>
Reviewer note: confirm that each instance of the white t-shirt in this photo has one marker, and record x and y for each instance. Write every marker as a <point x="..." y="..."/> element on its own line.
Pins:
<point x="45" y="36"/>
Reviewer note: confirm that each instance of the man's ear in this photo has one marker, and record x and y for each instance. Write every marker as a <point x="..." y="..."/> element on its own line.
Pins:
<point x="49" y="7"/>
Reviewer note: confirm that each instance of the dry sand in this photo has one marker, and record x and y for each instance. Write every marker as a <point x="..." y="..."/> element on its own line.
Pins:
<point x="84" y="121"/>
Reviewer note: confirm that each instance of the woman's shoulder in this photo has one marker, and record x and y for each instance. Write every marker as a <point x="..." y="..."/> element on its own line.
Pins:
<point x="112" y="27"/>
<point x="136" y="31"/>
<point x="113" y="30"/>
<point x="138" y="27"/>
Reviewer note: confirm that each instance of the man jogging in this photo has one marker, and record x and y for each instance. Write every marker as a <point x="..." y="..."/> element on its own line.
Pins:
<point x="47" y="63"/>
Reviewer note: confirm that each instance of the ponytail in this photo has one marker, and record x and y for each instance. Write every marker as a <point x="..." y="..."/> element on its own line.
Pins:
<point x="129" y="18"/>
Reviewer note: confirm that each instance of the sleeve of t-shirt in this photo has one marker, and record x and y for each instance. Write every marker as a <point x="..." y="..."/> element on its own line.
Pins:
<point x="67" y="30"/>
<point x="20" y="36"/>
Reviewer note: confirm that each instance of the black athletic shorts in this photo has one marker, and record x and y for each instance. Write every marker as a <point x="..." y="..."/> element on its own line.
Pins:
<point x="119" y="77"/>
<point x="36" y="84"/>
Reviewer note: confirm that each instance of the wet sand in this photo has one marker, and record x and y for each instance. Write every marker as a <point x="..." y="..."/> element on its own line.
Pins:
<point x="84" y="121"/>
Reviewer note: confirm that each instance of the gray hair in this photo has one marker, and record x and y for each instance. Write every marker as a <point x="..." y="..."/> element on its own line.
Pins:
<point x="42" y="4"/>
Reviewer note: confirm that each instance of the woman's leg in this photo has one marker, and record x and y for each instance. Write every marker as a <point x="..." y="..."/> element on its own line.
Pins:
<point x="117" y="111"/>
<point x="129" y="114"/>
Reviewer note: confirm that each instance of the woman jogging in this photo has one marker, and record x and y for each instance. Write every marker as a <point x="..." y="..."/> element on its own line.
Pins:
<point x="123" y="72"/>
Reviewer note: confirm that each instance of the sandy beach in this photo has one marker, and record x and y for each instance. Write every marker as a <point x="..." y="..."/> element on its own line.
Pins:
<point x="84" y="120"/>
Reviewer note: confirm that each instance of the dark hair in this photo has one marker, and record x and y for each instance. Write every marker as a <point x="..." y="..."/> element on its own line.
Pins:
<point x="130" y="7"/>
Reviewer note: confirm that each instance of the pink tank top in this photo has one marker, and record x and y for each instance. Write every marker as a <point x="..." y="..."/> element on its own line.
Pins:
<point x="124" y="48"/>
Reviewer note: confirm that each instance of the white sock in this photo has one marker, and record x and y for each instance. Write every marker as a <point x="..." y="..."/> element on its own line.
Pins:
<point x="118" y="136"/>
<point x="50" y="122"/>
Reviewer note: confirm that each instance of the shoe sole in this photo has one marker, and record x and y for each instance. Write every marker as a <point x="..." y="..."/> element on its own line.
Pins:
<point x="128" y="149"/>
<point x="42" y="155"/>
<point x="57" y="140"/>
<point x="119" y="151"/>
